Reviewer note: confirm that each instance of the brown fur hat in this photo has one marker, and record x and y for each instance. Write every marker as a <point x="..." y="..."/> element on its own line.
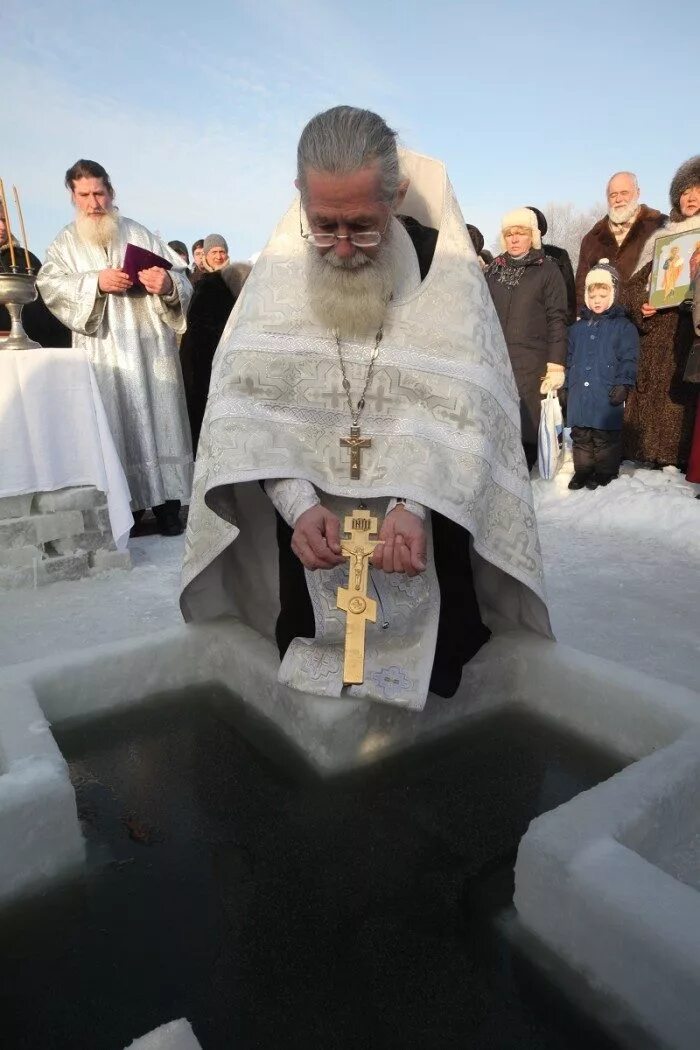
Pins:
<point x="687" y="175"/>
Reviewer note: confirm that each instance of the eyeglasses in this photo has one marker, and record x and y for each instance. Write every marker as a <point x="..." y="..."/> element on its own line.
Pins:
<point x="360" y="239"/>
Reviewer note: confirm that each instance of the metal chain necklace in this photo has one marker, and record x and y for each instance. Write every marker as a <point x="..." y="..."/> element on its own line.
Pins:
<point x="356" y="412"/>
<point x="356" y="442"/>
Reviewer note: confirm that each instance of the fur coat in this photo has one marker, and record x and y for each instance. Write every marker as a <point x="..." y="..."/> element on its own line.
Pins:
<point x="660" y="411"/>
<point x="599" y="243"/>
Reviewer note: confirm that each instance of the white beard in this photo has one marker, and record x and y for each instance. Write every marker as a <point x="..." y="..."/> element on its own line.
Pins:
<point x="100" y="231"/>
<point x="350" y="296"/>
<point x="623" y="212"/>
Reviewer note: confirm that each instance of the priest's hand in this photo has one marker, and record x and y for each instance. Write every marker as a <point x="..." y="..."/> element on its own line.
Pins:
<point x="647" y="311"/>
<point x="316" y="539"/>
<point x="402" y="544"/>
<point x="156" y="280"/>
<point x="113" y="281"/>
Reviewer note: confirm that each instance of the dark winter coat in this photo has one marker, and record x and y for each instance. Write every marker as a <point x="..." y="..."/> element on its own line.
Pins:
<point x="213" y="299"/>
<point x="530" y="300"/>
<point x="37" y="320"/>
<point x="563" y="261"/>
<point x="599" y="243"/>
<point x="603" y="350"/>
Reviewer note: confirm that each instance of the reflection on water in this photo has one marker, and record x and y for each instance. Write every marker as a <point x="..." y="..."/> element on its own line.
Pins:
<point x="276" y="909"/>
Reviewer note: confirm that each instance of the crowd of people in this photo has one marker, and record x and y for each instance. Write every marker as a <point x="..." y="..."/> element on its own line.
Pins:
<point x="623" y="370"/>
<point x="337" y="319"/>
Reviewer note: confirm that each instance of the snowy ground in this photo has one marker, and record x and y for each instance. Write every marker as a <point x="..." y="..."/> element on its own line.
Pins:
<point x="623" y="569"/>
<point x="104" y="608"/>
<point x="622" y="564"/>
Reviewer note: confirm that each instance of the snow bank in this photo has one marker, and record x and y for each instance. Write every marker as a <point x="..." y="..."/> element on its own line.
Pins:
<point x="642" y="503"/>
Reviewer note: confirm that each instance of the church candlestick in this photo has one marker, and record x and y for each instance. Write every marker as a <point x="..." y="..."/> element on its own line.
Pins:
<point x="25" y="242"/>
<point x="355" y="443"/>
<point x="10" y="242"/>
<point x="353" y="599"/>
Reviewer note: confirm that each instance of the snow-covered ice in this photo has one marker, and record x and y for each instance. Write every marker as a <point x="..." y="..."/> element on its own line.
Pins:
<point x="177" y="1035"/>
<point x="108" y="607"/>
<point x="623" y="570"/>
<point x="592" y="880"/>
<point x="39" y="835"/>
<point x="622" y="566"/>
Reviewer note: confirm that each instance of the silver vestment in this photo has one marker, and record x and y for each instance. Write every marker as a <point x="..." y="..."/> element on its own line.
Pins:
<point x="131" y="342"/>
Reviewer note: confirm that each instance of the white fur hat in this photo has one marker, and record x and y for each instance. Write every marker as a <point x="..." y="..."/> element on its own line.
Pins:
<point x="521" y="217"/>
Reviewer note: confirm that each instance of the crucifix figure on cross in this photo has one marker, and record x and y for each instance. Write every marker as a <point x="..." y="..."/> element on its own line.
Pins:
<point x="355" y="443"/>
<point x="353" y="600"/>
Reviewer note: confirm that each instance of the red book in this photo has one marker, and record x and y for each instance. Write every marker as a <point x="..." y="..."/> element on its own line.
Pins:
<point x="136" y="258"/>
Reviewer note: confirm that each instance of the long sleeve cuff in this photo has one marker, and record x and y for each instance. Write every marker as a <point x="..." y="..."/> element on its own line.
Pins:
<point x="171" y="297"/>
<point x="415" y="508"/>
<point x="291" y="497"/>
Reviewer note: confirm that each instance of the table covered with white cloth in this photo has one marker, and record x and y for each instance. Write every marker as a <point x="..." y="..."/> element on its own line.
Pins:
<point x="54" y="432"/>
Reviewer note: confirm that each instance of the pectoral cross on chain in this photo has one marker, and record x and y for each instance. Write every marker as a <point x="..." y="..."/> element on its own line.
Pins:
<point x="353" y="599"/>
<point x="355" y="443"/>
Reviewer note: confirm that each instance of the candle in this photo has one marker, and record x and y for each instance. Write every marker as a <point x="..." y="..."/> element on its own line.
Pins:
<point x="25" y="242"/>
<point x="3" y="202"/>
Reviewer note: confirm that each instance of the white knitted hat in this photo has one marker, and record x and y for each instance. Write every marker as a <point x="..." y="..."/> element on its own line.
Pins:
<point x="602" y="273"/>
<point x="521" y="217"/>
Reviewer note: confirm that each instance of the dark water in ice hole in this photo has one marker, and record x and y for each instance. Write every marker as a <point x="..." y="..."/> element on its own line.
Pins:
<point x="275" y="909"/>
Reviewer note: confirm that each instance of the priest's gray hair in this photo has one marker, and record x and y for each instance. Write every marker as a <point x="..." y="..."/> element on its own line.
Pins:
<point x="344" y="140"/>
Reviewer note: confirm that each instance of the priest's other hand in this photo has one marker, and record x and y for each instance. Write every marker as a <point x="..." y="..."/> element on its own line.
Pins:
<point x="113" y="281"/>
<point x="316" y="539"/>
<point x="402" y="544"/>
<point x="647" y="310"/>
<point x="156" y="280"/>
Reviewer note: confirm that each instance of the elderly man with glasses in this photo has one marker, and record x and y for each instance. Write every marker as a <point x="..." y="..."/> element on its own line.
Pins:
<point x="364" y="369"/>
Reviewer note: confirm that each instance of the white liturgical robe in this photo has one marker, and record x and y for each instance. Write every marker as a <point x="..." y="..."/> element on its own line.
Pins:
<point x="444" y="420"/>
<point x="130" y="340"/>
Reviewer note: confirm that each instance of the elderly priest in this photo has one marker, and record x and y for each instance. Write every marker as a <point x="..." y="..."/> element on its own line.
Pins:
<point x="363" y="367"/>
<point x="126" y="323"/>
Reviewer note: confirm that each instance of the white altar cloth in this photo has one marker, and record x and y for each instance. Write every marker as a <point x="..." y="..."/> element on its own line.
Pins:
<point x="54" y="432"/>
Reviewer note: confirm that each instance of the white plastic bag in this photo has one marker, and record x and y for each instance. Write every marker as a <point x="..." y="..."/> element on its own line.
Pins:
<point x="549" y="446"/>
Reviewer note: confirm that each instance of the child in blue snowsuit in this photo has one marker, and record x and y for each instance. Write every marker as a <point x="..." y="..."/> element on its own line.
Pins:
<point x="601" y="368"/>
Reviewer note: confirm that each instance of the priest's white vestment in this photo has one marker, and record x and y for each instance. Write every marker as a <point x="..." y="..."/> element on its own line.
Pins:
<point x="443" y="415"/>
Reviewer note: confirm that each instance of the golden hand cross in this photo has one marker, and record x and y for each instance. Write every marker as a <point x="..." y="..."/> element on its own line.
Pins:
<point x="353" y="599"/>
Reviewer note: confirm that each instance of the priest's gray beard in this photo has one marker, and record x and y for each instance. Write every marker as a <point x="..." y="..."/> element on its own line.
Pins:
<point x="350" y="296"/>
<point x="99" y="231"/>
<point x="623" y="212"/>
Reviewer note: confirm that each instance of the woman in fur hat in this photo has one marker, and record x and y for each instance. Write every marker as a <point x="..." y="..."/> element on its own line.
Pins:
<point x="660" y="412"/>
<point x="529" y="294"/>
